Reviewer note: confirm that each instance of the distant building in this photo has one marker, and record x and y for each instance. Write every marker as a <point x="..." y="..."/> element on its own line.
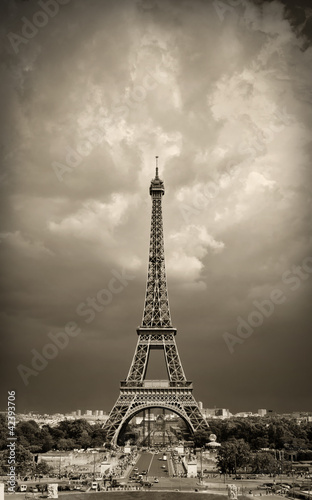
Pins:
<point x="262" y="412"/>
<point x="149" y="416"/>
<point x="222" y="412"/>
<point x="244" y="414"/>
<point x="215" y="413"/>
<point x="208" y="412"/>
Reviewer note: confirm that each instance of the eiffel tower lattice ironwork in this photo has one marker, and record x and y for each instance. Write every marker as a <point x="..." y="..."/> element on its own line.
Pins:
<point x="155" y="332"/>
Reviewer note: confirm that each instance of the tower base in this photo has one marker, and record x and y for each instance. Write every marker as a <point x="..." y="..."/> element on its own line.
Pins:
<point x="175" y="397"/>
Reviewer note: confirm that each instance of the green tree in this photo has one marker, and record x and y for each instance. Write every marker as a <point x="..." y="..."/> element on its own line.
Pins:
<point x="98" y="437"/>
<point x="233" y="455"/>
<point x="264" y="463"/>
<point x="42" y="468"/>
<point x="47" y="443"/>
<point x="23" y="459"/>
<point x="65" y="444"/>
<point x="85" y="439"/>
<point x="259" y="442"/>
<point x="78" y="430"/>
<point x="28" y="433"/>
<point x="3" y="432"/>
<point x="200" y="438"/>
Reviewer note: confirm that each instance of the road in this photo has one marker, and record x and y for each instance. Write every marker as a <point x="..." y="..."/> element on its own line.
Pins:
<point x="163" y="471"/>
<point x="154" y="465"/>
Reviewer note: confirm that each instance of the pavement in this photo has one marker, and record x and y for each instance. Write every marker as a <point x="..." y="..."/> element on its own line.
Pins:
<point x="138" y="495"/>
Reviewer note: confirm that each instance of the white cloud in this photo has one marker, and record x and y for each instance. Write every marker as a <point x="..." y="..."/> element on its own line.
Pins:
<point x="185" y="268"/>
<point x="96" y="220"/>
<point x="25" y="246"/>
<point x="256" y="181"/>
<point x="195" y="240"/>
<point x="187" y="248"/>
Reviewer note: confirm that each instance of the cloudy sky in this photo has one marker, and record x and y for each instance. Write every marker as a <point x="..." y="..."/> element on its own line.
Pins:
<point x="91" y="91"/>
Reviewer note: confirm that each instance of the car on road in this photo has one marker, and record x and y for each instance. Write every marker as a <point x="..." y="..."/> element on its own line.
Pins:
<point x="264" y="486"/>
<point x="146" y="483"/>
<point x="283" y="485"/>
<point x="156" y="480"/>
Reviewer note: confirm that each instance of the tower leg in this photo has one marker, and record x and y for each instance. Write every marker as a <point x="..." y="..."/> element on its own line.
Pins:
<point x="149" y="427"/>
<point x="164" y="427"/>
<point x="144" y="435"/>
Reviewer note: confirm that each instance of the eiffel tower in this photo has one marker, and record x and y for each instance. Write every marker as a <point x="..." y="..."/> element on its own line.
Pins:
<point x="156" y="332"/>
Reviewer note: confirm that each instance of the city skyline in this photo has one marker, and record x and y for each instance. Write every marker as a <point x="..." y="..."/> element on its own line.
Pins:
<point x="92" y="93"/>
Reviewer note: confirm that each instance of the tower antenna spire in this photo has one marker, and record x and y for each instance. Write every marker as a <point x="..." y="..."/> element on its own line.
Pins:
<point x="156" y="167"/>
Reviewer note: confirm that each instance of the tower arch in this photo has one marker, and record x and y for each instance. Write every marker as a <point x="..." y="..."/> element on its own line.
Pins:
<point x="178" y="411"/>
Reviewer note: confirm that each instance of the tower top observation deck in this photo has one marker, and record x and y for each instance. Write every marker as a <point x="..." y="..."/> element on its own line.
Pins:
<point x="157" y="187"/>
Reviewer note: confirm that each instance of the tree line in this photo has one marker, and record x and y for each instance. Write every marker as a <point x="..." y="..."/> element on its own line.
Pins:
<point x="253" y="442"/>
<point x="279" y="433"/>
<point x="266" y="432"/>
<point x="67" y="435"/>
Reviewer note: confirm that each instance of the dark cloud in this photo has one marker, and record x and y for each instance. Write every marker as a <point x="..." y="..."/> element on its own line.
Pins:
<point x="223" y="96"/>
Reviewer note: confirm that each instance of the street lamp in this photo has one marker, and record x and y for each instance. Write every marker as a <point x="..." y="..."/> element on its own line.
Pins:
<point x="201" y="465"/>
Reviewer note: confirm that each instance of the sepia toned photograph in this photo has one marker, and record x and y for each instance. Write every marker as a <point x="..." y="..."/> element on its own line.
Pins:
<point x="156" y="249"/>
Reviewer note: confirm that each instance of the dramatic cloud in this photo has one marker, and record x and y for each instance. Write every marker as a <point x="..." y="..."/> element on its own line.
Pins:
<point x="221" y="91"/>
